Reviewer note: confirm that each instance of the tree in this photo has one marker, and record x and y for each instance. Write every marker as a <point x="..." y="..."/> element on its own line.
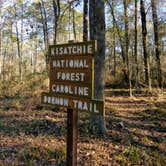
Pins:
<point x="97" y="32"/>
<point x="74" y="24"/>
<point x="156" y="41"/>
<point x="125" y="5"/>
<point x="119" y="33"/>
<point x="18" y="41"/>
<point x="57" y="10"/>
<point x="144" y="44"/>
<point x="136" y="43"/>
<point x="45" y="28"/>
<point x="85" y="21"/>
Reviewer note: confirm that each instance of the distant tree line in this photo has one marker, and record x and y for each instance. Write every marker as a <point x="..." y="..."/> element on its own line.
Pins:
<point x="134" y="35"/>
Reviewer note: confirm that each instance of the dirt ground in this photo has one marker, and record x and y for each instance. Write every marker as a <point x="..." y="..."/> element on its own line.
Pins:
<point x="31" y="134"/>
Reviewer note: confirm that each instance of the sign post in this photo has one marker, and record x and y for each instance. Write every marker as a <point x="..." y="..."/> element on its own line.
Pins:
<point x="72" y="86"/>
<point x="72" y="135"/>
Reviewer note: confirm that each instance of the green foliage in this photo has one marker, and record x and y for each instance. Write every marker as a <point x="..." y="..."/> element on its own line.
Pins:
<point x="32" y="153"/>
<point x="5" y="152"/>
<point x="58" y="154"/>
<point x="130" y="155"/>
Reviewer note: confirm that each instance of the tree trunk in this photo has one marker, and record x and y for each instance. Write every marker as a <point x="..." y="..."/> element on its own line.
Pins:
<point x="19" y="52"/>
<point x="74" y="26"/>
<point x="135" y="45"/>
<point x="97" y="32"/>
<point x="45" y="29"/>
<point x="114" y="42"/>
<point x="156" y="40"/>
<point x="18" y="46"/>
<point x="120" y="40"/>
<point x="0" y="52"/>
<point x="85" y="21"/>
<point x="56" y="9"/>
<point x="125" y="4"/>
<point x="22" y="26"/>
<point x="144" y="44"/>
<point x="127" y="64"/>
<point x="114" y="49"/>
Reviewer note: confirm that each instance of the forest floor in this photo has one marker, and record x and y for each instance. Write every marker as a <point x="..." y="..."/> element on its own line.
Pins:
<point x="31" y="134"/>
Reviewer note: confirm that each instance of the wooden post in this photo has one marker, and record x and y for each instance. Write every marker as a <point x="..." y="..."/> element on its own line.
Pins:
<point x="72" y="134"/>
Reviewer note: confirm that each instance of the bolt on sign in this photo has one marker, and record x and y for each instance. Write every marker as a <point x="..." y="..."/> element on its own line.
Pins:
<point x="71" y="77"/>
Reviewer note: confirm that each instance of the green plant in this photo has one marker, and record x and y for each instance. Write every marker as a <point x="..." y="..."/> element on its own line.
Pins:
<point x="133" y="154"/>
<point x="58" y="154"/>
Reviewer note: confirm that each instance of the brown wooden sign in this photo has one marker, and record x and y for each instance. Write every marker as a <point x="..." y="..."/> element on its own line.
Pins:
<point x="72" y="86"/>
<point x="71" y="69"/>
<point x="72" y="77"/>
<point x="80" y="104"/>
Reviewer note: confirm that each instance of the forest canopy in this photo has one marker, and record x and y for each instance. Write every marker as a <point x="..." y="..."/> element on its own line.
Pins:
<point x="27" y="28"/>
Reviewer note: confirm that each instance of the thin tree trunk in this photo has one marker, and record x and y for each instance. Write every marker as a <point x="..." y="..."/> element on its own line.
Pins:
<point x="21" y="46"/>
<point x="18" y="46"/>
<point x="114" y="39"/>
<point x="91" y="19"/>
<point x="19" y="52"/>
<point x="0" y="52"/>
<point x="114" y="50"/>
<point x="85" y="21"/>
<point x="129" y="73"/>
<point x="125" y="4"/>
<point x="144" y="44"/>
<point x="74" y="26"/>
<point x="56" y="9"/>
<point x="135" y="45"/>
<point x="45" y="29"/>
<point x="97" y="32"/>
<point x="35" y="56"/>
<point x="120" y="40"/>
<point x="3" y="61"/>
<point x="156" y="39"/>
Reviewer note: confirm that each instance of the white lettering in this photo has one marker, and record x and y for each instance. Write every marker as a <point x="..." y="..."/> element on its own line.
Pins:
<point x="58" y="75"/>
<point x="45" y="99"/>
<point x="80" y="105"/>
<point x="75" y="103"/>
<point x="79" y="50"/>
<point x="95" y="110"/>
<point x="70" y="48"/>
<point x="64" y="50"/>
<point x="85" y="106"/>
<point x="90" y="49"/>
<point x="74" y="50"/>
<point x="71" y="76"/>
<point x="73" y="63"/>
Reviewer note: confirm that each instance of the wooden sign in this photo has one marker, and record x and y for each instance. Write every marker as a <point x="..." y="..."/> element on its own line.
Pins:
<point x="71" y="69"/>
<point x="72" y="86"/>
<point x="80" y="104"/>
<point x="72" y="77"/>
